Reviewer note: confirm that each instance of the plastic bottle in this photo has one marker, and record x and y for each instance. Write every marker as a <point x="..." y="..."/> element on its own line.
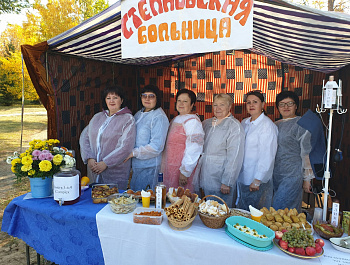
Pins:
<point x="66" y="186"/>
<point x="160" y="193"/>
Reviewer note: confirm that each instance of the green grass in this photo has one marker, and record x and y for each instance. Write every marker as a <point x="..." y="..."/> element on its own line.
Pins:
<point x="10" y="127"/>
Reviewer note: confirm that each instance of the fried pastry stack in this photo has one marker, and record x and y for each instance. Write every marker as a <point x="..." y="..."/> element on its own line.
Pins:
<point x="280" y="219"/>
<point x="181" y="210"/>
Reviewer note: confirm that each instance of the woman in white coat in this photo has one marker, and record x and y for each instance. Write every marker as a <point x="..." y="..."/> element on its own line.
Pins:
<point x="222" y="156"/>
<point x="108" y="139"/>
<point x="255" y="185"/>
<point x="151" y="131"/>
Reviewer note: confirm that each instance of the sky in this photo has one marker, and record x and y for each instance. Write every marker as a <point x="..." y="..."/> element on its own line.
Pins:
<point x="18" y="19"/>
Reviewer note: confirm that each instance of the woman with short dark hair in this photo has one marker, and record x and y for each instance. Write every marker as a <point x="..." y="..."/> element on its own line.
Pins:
<point x="184" y="143"/>
<point x="108" y="139"/>
<point x="255" y="179"/>
<point x="292" y="172"/>
<point x="151" y="130"/>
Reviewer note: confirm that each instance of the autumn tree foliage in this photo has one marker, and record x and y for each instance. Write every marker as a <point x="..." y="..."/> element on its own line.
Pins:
<point x="11" y="68"/>
<point x="46" y="20"/>
<point x="12" y="6"/>
<point x="330" y="5"/>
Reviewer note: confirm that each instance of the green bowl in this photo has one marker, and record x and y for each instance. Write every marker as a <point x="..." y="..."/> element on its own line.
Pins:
<point x="250" y="239"/>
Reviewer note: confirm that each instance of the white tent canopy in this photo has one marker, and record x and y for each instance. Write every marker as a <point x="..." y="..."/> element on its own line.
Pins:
<point x="292" y="34"/>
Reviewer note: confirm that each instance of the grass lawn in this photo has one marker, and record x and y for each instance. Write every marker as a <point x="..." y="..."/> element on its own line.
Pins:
<point x="34" y="122"/>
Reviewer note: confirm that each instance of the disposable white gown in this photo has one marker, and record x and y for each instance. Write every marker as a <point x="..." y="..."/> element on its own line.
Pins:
<point x="222" y="157"/>
<point x="290" y="164"/>
<point x="110" y="139"/>
<point x="151" y="131"/>
<point x="259" y="157"/>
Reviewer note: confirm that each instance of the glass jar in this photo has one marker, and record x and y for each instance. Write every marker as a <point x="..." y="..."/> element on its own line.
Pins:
<point x="66" y="186"/>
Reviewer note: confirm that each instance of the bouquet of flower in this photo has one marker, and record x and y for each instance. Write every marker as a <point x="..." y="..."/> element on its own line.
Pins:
<point x="42" y="159"/>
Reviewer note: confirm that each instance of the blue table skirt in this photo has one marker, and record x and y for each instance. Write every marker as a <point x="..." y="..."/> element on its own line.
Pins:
<point x="62" y="234"/>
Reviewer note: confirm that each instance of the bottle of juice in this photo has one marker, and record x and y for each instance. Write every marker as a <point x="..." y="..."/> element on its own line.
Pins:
<point x="160" y="193"/>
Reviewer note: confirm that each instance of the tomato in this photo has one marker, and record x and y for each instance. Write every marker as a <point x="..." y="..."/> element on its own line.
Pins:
<point x="283" y="244"/>
<point x="291" y="249"/>
<point x="320" y="242"/>
<point x="278" y="234"/>
<point x="310" y="251"/>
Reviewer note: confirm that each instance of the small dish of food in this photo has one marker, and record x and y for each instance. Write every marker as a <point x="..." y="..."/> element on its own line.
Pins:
<point x="100" y="192"/>
<point x="122" y="203"/>
<point x="327" y="230"/>
<point x="150" y="216"/>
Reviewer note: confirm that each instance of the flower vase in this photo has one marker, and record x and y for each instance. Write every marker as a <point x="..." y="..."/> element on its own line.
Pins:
<point x="41" y="188"/>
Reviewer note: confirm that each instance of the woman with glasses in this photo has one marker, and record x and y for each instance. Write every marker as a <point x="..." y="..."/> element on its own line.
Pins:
<point x="184" y="143"/>
<point x="222" y="156"/>
<point x="151" y="130"/>
<point x="292" y="172"/>
<point x="255" y="179"/>
<point x="108" y="139"/>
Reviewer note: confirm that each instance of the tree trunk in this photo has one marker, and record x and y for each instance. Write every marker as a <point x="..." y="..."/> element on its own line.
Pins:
<point x="330" y="5"/>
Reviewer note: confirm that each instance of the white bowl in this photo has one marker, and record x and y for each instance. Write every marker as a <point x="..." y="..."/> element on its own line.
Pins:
<point x="336" y="243"/>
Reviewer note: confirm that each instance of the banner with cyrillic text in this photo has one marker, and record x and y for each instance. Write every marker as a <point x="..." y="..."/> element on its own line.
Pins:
<point x="169" y="27"/>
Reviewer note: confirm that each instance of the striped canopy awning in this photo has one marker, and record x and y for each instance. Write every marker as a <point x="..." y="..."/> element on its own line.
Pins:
<point x="289" y="33"/>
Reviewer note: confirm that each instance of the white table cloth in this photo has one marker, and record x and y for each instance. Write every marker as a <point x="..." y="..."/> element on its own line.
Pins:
<point x="125" y="242"/>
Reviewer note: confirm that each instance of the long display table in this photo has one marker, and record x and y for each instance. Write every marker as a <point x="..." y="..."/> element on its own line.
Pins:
<point x="87" y="233"/>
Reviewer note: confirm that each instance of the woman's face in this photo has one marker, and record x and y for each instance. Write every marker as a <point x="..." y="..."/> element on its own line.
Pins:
<point x="114" y="103"/>
<point x="254" y="106"/>
<point x="221" y="108"/>
<point x="183" y="104"/>
<point x="287" y="108"/>
<point x="149" y="100"/>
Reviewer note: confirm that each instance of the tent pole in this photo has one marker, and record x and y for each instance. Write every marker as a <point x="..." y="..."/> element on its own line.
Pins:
<point x="113" y="73"/>
<point x="22" y="114"/>
<point x="138" y="87"/>
<point x="47" y="68"/>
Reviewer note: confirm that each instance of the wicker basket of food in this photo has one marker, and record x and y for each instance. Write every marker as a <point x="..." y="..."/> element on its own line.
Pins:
<point x="181" y="213"/>
<point x="212" y="213"/>
<point x="326" y="230"/>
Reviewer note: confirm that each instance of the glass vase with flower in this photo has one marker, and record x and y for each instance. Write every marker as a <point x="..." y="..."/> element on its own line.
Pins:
<point x="40" y="162"/>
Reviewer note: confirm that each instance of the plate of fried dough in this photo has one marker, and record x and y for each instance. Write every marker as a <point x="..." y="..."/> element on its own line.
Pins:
<point x="240" y="212"/>
<point x="281" y="219"/>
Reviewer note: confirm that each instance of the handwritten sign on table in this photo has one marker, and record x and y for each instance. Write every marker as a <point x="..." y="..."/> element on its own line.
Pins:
<point x="335" y="258"/>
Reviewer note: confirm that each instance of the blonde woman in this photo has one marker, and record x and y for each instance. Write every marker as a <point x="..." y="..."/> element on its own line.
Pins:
<point x="222" y="156"/>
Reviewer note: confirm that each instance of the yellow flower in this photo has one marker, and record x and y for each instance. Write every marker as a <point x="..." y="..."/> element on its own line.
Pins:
<point x="31" y="172"/>
<point x="13" y="169"/>
<point x="45" y="165"/>
<point x="51" y="141"/>
<point x="57" y="159"/>
<point x="26" y="168"/>
<point x="27" y="160"/>
<point x="38" y="146"/>
<point x="15" y="161"/>
<point x="22" y="155"/>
